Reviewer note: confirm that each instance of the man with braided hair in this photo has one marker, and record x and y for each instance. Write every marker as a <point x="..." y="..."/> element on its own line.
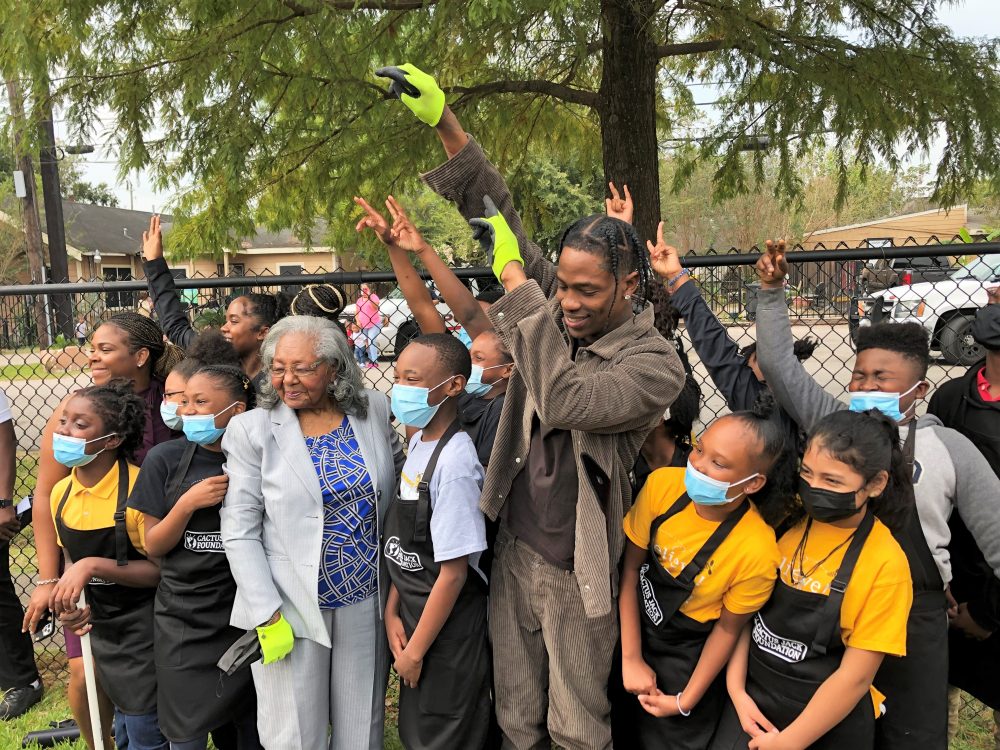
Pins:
<point x="591" y="377"/>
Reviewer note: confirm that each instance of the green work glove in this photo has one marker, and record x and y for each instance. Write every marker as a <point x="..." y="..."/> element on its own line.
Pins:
<point x="276" y="640"/>
<point x="416" y="90"/>
<point x="496" y="238"/>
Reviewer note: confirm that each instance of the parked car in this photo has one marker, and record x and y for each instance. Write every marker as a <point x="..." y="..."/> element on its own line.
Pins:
<point x="946" y="308"/>
<point x="887" y="273"/>
<point x="398" y="325"/>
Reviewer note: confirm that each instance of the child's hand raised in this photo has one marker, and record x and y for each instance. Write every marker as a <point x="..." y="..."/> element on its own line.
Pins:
<point x="772" y="266"/>
<point x="373" y="220"/>
<point x="618" y="207"/>
<point x="403" y="233"/>
<point x="152" y="240"/>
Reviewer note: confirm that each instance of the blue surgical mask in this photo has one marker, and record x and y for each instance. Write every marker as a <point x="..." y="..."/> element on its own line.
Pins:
<point x="169" y="415"/>
<point x="476" y="386"/>
<point x="704" y="490"/>
<point x="887" y="403"/>
<point x="409" y="404"/>
<point x="201" y="429"/>
<point x="72" y="451"/>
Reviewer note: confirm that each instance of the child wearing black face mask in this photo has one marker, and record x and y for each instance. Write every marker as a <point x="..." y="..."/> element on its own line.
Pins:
<point x="803" y="671"/>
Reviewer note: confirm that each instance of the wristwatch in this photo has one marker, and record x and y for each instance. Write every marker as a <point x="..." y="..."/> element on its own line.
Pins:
<point x="6" y="503"/>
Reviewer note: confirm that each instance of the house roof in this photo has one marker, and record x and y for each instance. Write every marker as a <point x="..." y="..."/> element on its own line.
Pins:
<point x="118" y="231"/>
<point x="884" y="219"/>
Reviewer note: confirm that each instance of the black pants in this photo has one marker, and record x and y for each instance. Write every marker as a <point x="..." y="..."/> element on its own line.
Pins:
<point x="17" y="658"/>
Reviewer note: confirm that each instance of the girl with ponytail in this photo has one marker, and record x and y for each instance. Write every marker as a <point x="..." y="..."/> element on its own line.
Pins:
<point x="700" y="561"/>
<point x="802" y="674"/>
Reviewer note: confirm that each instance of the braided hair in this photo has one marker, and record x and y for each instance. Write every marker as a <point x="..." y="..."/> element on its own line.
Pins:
<point x="121" y="412"/>
<point x="145" y="333"/>
<point x="233" y="380"/>
<point x="617" y="242"/>
<point x="320" y="301"/>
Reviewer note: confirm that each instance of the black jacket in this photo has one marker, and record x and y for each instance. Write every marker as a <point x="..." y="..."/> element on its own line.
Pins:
<point x="721" y="356"/>
<point x="169" y="310"/>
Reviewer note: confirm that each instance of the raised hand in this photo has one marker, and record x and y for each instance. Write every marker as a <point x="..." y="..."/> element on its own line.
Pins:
<point x="373" y="220"/>
<point x="403" y="233"/>
<point x="152" y="240"/>
<point x="772" y="266"/>
<point x="416" y="90"/>
<point x="496" y="238"/>
<point x="664" y="258"/>
<point x="618" y="207"/>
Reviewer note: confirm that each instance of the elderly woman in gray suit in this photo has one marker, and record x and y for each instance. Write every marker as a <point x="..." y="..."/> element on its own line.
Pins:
<point x="311" y="474"/>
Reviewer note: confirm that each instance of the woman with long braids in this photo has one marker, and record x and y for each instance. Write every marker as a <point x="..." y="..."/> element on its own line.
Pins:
<point x="571" y="427"/>
<point x="127" y="346"/>
<point x="248" y="317"/>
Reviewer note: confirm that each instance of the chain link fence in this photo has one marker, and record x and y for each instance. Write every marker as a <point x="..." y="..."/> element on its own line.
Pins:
<point x="831" y="293"/>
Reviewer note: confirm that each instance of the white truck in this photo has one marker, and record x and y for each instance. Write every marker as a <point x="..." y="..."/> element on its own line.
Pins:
<point x="945" y="308"/>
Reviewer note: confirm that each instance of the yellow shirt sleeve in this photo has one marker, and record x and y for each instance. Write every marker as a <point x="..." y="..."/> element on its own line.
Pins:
<point x="662" y="488"/>
<point x="54" y="498"/>
<point x="881" y="623"/>
<point x="760" y="570"/>
<point x="135" y="523"/>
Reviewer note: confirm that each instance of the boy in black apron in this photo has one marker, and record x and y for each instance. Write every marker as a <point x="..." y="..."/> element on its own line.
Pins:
<point x="100" y="429"/>
<point x="180" y="491"/>
<point x="699" y="563"/>
<point x="433" y="536"/>
<point x="802" y="675"/>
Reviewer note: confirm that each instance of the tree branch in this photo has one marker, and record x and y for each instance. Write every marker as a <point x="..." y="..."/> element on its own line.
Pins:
<point x="546" y="88"/>
<point x="691" y="48"/>
<point x="379" y="4"/>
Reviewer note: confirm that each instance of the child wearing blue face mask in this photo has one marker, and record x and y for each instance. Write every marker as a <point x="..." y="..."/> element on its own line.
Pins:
<point x="700" y="561"/>
<point x="99" y="430"/>
<point x="432" y="539"/>
<point x="208" y="347"/>
<point x="492" y="365"/>
<point x="179" y="493"/>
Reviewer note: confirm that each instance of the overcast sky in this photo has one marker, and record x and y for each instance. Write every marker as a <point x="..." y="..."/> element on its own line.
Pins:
<point x="975" y="18"/>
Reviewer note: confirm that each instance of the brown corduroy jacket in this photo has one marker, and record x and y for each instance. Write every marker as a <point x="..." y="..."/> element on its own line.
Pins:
<point x="609" y="397"/>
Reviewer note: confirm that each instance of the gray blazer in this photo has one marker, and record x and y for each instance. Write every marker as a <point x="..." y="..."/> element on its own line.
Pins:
<point x="272" y="517"/>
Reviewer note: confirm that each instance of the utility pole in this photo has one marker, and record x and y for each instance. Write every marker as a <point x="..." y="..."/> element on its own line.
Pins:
<point x="32" y="229"/>
<point x="48" y="166"/>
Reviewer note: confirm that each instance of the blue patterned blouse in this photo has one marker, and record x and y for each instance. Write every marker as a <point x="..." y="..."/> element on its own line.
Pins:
<point x="349" y="557"/>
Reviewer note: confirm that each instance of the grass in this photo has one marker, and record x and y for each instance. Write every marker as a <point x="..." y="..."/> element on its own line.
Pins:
<point x="27" y="371"/>
<point x="55" y="707"/>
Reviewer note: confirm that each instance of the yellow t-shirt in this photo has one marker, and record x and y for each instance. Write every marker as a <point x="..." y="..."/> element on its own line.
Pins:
<point x="741" y="573"/>
<point x="878" y="596"/>
<point x="91" y="508"/>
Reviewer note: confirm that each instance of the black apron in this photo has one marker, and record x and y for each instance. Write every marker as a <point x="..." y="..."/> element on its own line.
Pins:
<point x="795" y="646"/>
<point x="122" y="616"/>
<point x="916" y="685"/>
<point x="450" y="707"/>
<point x="193" y="604"/>
<point x="672" y="642"/>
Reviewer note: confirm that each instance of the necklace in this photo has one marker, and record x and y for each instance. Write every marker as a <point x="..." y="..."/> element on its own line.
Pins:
<point x="799" y="555"/>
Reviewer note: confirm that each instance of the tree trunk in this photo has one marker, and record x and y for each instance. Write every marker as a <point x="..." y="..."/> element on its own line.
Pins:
<point x="627" y="110"/>
<point x="32" y="229"/>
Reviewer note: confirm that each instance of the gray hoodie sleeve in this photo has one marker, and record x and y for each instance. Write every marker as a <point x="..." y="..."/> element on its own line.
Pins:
<point x="793" y="388"/>
<point x="977" y="494"/>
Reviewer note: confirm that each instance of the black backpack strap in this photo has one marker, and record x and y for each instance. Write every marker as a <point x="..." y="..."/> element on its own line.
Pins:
<point x="422" y="524"/>
<point x="693" y="568"/>
<point x="829" y="630"/>
<point x="173" y="490"/>
<point x="121" y="529"/>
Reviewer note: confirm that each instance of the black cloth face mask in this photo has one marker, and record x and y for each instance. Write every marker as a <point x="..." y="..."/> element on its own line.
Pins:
<point x="828" y="506"/>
